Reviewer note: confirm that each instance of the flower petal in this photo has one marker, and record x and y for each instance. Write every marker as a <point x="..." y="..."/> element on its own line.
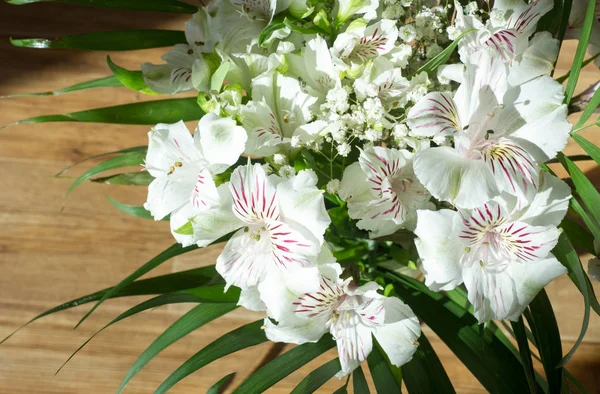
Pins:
<point x="399" y="334"/>
<point x="439" y="249"/>
<point x="254" y="197"/>
<point x="538" y="59"/>
<point x="222" y="141"/>
<point x="354" y="341"/>
<point x="447" y="176"/>
<point x="310" y="330"/>
<point x="242" y="263"/>
<point x="434" y="114"/>
<point x="550" y="203"/>
<point x="250" y="299"/>
<point x="492" y="293"/>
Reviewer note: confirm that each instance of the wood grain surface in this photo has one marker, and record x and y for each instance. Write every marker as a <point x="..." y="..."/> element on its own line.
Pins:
<point x="53" y="250"/>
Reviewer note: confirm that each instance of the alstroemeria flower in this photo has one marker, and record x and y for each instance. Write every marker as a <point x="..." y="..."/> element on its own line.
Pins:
<point x="501" y="134"/>
<point x="382" y="191"/>
<point x="315" y="67"/>
<point x="185" y="68"/>
<point x="279" y="108"/>
<point x="360" y="43"/>
<point x="500" y="252"/>
<point x="353" y="315"/>
<point x="281" y="225"/>
<point x="184" y="167"/>
<point x="506" y="35"/>
<point x="382" y="80"/>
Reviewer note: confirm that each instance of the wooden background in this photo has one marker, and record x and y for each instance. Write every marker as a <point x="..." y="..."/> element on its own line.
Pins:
<point x="48" y="256"/>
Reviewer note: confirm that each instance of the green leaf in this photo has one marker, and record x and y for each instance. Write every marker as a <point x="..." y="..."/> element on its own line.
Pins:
<point x="490" y="361"/>
<point x="140" y="178"/>
<point x="195" y="318"/>
<point x="317" y="378"/>
<point x="592" y="226"/>
<point x="276" y="24"/>
<point x="583" y="186"/>
<point x="425" y="373"/>
<point x="137" y="5"/>
<point x="143" y="113"/>
<point x="133" y="80"/>
<point x="587" y="146"/>
<point x="246" y="336"/>
<point x="118" y="40"/>
<point x="584" y="38"/>
<point x="359" y="382"/>
<point x="133" y="210"/>
<point x="129" y="159"/>
<point x="441" y="58"/>
<point x="544" y="328"/>
<point x="525" y="352"/>
<point x="213" y="294"/>
<point x="105" y="82"/>
<point x="384" y="379"/>
<point x="216" y="81"/>
<point x="121" y="151"/>
<point x="591" y="106"/>
<point x="580" y="236"/>
<point x="186" y="229"/>
<point x="221" y="384"/>
<point x="156" y="285"/>
<point x="155" y="302"/>
<point x="174" y="250"/>
<point x="566" y="254"/>
<point x="284" y="365"/>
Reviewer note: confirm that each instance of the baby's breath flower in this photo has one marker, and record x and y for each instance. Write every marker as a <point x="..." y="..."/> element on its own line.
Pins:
<point x="287" y="171"/>
<point x="407" y="33"/>
<point x="333" y="186"/>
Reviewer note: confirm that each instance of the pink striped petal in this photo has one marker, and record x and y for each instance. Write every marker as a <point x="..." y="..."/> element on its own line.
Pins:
<point x="434" y="114"/>
<point x="254" y="197"/>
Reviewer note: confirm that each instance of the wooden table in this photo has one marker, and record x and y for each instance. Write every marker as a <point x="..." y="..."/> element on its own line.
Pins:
<point x="49" y="254"/>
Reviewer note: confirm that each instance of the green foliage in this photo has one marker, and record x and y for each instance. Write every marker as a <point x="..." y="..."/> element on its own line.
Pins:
<point x="138" y="211"/>
<point x="143" y="113"/>
<point x="317" y="378"/>
<point x="525" y="352"/>
<point x="118" y="40"/>
<point x="137" y="5"/>
<point x="140" y="178"/>
<point x="425" y="373"/>
<point x="386" y="381"/>
<point x="106" y="82"/>
<point x="133" y="80"/>
<point x="359" y="382"/>
<point x="221" y="384"/>
<point x="432" y="65"/>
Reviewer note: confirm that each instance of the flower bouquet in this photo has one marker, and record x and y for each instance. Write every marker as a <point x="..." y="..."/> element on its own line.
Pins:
<point x="369" y="166"/>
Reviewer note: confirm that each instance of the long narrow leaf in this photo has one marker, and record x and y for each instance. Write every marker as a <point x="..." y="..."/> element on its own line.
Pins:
<point x="195" y="318"/>
<point x="525" y="352"/>
<point x="563" y="78"/>
<point x="174" y="250"/>
<point x="583" y="186"/>
<point x="284" y="365"/>
<point x="566" y="254"/>
<point x="584" y="38"/>
<point x="129" y="159"/>
<point x="118" y="40"/>
<point x="580" y="237"/>
<point x="136" y="5"/>
<point x="441" y="58"/>
<point x="317" y="378"/>
<point x="359" y="382"/>
<point x="221" y="384"/>
<point x="144" y="113"/>
<point x="246" y="336"/>
<point x="133" y="80"/>
<point x="139" y="178"/>
<point x="547" y="339"/>
<point x="165" y="299"/>
<point x="143" y="148"/>
<point x="589" y="111"/>
<point x="425" y="373"/>
<point x="106" y="82"/>
<point x="134" y="210"/>
<point x="490" y="361"/>
<point x="587" y="146"/>
<point x="384" y="379"/>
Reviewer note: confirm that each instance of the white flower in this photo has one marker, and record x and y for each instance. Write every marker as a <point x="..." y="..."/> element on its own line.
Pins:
<point x="279" y="159"/>
<point x="348" y="8"/>
<point x="281" y="224"/>
<point x="382" y="191"/>
<point x="315" y="68"/>
<point x="287" y="171"/>
<point x="407" y="33"/>
<point x="383" y="81"/>
<point x="360" y="43"/>
<point x="184" y="168"/>
<point x="399" y="55"/>
<point x="500" y="252"/>
<point x="501" y="134"/>
<point x="343" y="149"/>
<point x="185" y="66"/>
<point x="353" y="315"/>
<point x="278" y="109"/>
